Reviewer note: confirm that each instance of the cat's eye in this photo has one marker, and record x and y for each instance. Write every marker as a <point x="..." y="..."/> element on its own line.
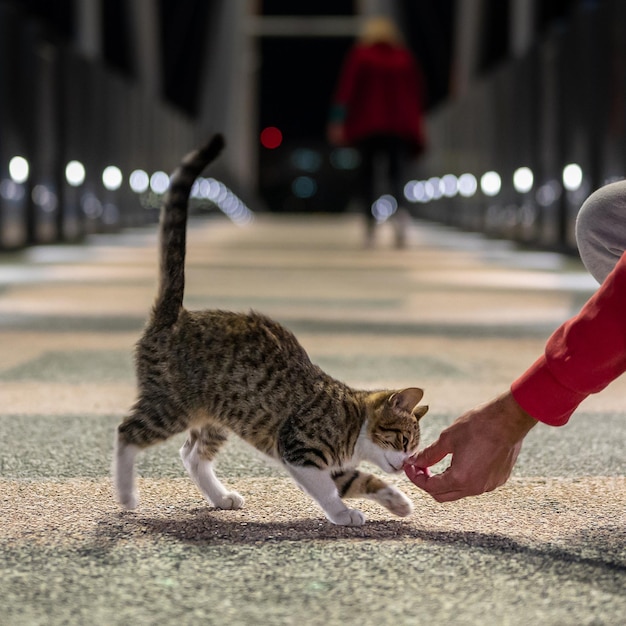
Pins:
<point x="405" y="442"/>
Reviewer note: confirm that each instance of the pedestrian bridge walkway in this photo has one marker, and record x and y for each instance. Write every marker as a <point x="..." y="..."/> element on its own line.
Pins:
<point x="454" y="313"/>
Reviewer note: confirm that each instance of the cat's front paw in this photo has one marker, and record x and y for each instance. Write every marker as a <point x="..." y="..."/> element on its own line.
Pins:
<point x="394" y="500"/>
<point x="349" y="517"/>
<point x="230" y="501"/>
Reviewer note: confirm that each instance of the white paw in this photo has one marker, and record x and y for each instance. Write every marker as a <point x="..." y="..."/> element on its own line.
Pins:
<point x="394" y="500"/>
<point x="129" y="501"/>
<point x="349" y="517"/>
<point x="230" y="501"/>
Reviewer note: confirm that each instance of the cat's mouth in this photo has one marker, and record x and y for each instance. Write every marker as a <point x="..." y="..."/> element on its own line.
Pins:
<point x="395" y="464"/>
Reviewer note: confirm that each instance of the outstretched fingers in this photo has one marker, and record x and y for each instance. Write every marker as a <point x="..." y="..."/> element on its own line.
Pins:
<point x="444" y="487"/>
<point x="416" y="468"/>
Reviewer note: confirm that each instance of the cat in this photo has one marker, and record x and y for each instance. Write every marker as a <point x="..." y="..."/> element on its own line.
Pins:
<point x="212" y="373"/>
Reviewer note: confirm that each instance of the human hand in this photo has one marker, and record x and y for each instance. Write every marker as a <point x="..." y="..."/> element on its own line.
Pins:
<point x="336" y="134"/>
<point x="484" y="444"/>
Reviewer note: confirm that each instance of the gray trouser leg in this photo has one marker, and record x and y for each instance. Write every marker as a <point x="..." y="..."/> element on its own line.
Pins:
<point x="601" y="229"/>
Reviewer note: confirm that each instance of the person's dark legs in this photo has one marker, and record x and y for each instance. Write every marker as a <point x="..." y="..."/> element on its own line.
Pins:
<point x="396" y="154"/>
<point x="367" y="183"/>
<point x="391" y="152"/>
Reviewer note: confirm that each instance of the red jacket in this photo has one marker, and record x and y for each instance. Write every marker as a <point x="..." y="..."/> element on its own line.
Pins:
<point x="380" y="92"/>
<point x="582" y="357"/>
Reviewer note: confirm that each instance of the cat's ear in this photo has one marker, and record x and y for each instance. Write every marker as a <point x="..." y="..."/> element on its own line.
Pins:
<point x="420" y="411"/>
<point x="407" y="399"/>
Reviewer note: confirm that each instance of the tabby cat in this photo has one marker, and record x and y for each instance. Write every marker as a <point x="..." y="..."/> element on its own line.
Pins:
<point x="212" y="373"/>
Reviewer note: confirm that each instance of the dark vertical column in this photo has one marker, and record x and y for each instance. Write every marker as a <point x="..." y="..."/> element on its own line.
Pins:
<point x="76" y="128"/>
<point x="611" y="32"/>
<point x="39" y="118"/>
<point x="528" y="98"/>
<point x="14" y="195"/>
<point x="585" y="103"/>
<point x="549" y="143"/>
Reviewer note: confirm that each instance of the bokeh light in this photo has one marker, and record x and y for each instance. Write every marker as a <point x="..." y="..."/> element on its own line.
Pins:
<point x="112" y="177"/>
<point x="306" y="159"/>
<point x="304" y="187"/>
<point x="271" y="137"/>
<point x="523" y="179"/>
<point x="75" y="173"/>
<point x="345" y="158"/>
<point x="572" y="177"/>
<point x="159" y="182"/>
<point x="468" y="185"/>
<point x="384" y="208"/>
<point x="449" y="185"/>
<point x="44" y="198"/>
<point x="549" y="193"/>
<point x="491" y="183"/>
<point x="19" y="169"/>
<point x="139" y="181"/>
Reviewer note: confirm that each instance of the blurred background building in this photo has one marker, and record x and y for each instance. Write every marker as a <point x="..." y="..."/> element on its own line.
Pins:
<point x="99" y="98"/>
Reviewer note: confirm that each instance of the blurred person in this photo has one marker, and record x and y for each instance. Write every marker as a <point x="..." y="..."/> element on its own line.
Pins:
<point x="581" y="357"/>
<point x="378" y="109"/>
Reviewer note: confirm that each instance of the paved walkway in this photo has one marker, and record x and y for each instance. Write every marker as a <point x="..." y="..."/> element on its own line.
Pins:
<point x="456" y="314"/>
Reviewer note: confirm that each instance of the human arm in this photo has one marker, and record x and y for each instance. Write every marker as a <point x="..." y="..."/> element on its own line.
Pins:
<point x="335" y="130"/>
<point x="335" y="133"/>
<point x="582" y="357"/>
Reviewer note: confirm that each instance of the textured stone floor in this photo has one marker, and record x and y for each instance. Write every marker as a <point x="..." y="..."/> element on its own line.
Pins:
<point x="455" y="314"/>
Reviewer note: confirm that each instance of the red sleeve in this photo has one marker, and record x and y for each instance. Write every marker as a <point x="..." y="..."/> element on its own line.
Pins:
<point x="582" y="357"/>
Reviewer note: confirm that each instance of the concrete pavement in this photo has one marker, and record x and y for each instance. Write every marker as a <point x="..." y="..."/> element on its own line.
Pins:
<point x="456" y="314"/>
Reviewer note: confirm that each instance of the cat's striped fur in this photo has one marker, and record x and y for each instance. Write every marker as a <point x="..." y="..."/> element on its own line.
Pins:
<point x="212" y="373"/>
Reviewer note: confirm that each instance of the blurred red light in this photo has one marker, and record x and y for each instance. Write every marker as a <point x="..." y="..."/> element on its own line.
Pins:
<point x="271" y="137"/>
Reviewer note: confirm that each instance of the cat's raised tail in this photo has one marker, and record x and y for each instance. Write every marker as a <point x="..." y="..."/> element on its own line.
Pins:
<point x="172" y="232"/>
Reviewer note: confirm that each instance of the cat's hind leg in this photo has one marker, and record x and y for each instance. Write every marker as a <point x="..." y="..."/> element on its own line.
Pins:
<point x="142" y="428"/>
<point x="124" y="473"/>
<point x="197" y="454"/>
<point x="353" y="483"/>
